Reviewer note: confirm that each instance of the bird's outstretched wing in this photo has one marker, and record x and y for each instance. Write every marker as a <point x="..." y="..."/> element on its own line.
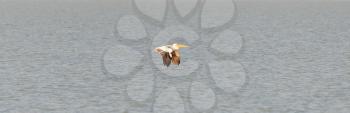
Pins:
<point x="166" y="58"/>
<point x="175" y="57"/>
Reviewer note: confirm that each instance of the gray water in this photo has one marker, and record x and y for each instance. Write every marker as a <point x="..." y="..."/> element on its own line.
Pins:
<point x="70" y="57"/>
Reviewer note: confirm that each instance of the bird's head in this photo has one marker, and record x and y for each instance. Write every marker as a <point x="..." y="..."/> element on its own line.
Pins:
<point x="178" y="46"/>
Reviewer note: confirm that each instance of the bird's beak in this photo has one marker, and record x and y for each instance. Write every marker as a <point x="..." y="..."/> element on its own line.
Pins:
<point x="183" y="46"/>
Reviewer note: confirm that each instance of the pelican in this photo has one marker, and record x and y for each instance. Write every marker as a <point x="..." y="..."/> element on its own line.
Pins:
<point x="170" y="53"/>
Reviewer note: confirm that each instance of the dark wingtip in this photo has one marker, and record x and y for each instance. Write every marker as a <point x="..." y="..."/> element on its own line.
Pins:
<point x="166" y="65"/>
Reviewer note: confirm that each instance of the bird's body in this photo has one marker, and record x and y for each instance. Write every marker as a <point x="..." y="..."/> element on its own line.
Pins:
<point x="170" y="53"/>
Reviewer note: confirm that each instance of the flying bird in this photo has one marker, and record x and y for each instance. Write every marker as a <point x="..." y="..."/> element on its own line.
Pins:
<point x="170" y="53"/>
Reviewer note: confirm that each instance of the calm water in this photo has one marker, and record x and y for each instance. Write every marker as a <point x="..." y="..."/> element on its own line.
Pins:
<point x="295" y="58"/>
